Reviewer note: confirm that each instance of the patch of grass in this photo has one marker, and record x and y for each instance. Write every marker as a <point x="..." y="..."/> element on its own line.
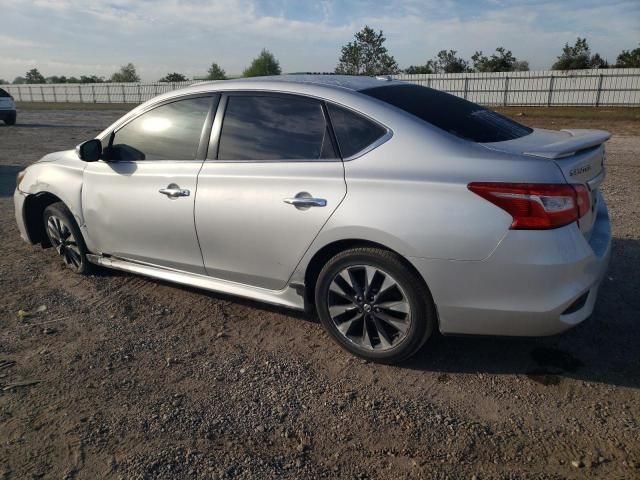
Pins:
<point x="588" y="113"/>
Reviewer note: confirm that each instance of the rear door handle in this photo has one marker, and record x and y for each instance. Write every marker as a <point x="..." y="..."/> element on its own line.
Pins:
<point x="306" y="202"/>
<point x="174" y="191"/>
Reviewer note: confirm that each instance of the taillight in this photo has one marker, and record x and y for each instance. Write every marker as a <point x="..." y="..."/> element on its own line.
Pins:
<point x="536" y="206"/>
<point x="583" y="200"/>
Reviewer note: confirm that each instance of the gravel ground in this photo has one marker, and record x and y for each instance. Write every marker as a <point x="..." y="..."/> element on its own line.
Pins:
<point x="118" y="376"/>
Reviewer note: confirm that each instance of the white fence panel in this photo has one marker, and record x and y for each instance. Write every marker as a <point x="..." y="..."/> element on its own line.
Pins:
<point x="603" y="87"/>
<point x="606" y="87"/>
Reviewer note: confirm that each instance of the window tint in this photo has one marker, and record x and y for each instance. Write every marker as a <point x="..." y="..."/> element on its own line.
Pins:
<point x="274" y="128"/>
<point x="353" y="131"/>
<point x="450" y="113"/>
<point x="169" y="132"/>
<point x="4" y="93"/>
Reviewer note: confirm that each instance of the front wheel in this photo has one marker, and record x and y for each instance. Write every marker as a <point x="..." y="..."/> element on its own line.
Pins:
<point x="374" y="305"/>
<point x="65" y="237"/>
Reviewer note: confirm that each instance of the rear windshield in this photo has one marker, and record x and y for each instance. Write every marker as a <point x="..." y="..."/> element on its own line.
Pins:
<point x="452" y="114"/>
<point x="4" y="93"/>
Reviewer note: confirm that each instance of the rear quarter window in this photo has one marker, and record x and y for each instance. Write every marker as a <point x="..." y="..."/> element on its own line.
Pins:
<point x="4" y="93"/>
<point x="452" y="114"/>
<point x="353" y="131"/>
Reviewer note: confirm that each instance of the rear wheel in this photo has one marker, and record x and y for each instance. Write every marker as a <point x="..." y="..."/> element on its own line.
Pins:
<point x="11" y="119"/>
<point x="65" y="237"/>
<point x="374" y="305"/>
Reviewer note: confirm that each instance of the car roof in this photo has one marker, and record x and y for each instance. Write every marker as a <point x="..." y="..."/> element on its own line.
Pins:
<point x="348" y="82"/>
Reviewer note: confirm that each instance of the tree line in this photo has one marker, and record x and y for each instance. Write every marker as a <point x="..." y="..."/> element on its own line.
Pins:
<point x="367" y="55"/>
<point x="264" y="64"/>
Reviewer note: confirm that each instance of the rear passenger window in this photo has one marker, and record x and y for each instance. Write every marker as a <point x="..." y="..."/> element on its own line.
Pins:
<point x="4" y="93"/>
<point x="353" y="131"/>
<point x="274" y="128"/>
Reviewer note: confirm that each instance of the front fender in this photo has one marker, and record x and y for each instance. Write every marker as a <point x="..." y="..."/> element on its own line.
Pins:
<point x="61" y="177"/>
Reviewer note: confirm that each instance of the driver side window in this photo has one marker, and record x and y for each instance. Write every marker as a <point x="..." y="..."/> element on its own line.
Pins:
<point x="168" y="132"/>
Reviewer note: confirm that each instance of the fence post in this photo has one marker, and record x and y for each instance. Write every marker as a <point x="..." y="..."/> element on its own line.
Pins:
<point x="42" y="92"/>
<point x="599" y="90"/>
<point x="466" y="87"/>
<point x="80" y="93"/>
<point x="93" y="92"/>
<point x="124" y="94"/>
<point x="108" y="93"/>
<point x="30" y="93"/>
<point x="20" y="93"/>
<point x="551" y="80"/>
<point x="506" y="90"/>
<point x="55" y="97"/>
<point x="139" y="95"/>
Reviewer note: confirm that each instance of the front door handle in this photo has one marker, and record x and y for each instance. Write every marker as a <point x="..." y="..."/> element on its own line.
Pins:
<point x="174" y="191"/>
<point x="304" y="200"/>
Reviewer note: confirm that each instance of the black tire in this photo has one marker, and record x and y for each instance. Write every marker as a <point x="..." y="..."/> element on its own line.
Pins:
<point x="65" y="237"/>
<point x="398" y="345"/>
<point x="11" y="119"/>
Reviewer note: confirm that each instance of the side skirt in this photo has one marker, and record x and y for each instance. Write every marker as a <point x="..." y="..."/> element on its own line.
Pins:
<point x="288" y="297"/>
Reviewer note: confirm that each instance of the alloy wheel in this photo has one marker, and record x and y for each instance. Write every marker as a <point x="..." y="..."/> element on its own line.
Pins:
<point x="64" y="242"/>
<point x="369" y="307"/>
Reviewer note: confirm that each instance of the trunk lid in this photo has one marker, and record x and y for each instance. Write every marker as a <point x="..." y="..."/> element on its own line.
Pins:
<point x="579" y="154"/>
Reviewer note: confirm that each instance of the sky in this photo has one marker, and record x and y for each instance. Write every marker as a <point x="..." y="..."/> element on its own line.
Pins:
<point x="95" y="37"/>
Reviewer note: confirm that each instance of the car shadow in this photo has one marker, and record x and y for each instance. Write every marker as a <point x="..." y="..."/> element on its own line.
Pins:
<point x="8" y="179"/>
<point x="603" y="349"/>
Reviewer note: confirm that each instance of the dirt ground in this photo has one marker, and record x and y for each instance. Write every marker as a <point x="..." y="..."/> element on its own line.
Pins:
<point x="135" y="378"/>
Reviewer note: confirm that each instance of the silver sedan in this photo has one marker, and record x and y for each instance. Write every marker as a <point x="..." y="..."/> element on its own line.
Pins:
<point x="390" y="209"/>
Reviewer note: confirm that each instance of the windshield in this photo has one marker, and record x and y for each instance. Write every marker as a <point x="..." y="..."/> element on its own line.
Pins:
<point x="452" y="114"/>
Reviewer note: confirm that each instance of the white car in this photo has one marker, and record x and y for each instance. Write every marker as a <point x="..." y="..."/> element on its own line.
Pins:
<point x="390" y="208"/>
<point x="7" y="108"/>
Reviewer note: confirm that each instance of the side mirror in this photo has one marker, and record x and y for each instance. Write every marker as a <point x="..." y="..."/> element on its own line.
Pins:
<point x="90" y="151"/>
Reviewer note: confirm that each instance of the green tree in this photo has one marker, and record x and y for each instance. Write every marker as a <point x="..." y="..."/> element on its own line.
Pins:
<point x="263" y="64"/>
<point x="521" y="66"/>
<point x="629" y="59"/>
<point x="501" y="61"/>
<point x="173" y="77"/>
<point x="366" y="55"/>
<point x="419" y="69"/>
<point x="447" y="62"/>
<point x="598" y="62"/>
<point x="127" y="73"/>
<point x="91" y="79"/>
<point x="3" y="81"/>
<point x="57" y="79"/>
<point x="216" y="73"/>
<point x="19" y="81"/>
<point x="578" y="57"/>
<point x="34" y="76"/>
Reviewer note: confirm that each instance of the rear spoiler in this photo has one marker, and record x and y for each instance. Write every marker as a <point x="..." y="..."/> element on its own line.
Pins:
<point x="579" y="140"/>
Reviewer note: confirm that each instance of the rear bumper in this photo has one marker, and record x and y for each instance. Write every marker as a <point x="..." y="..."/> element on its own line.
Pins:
<point x="535" y="282"/>
<point x="18" y="203"/>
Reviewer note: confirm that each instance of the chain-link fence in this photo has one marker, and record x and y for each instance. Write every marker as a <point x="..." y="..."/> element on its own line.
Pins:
<point x="604" y="87"/>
